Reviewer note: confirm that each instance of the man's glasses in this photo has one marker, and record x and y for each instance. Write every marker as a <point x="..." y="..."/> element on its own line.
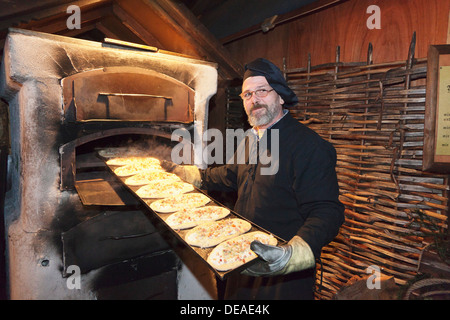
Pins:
<point x="260" y="93"/>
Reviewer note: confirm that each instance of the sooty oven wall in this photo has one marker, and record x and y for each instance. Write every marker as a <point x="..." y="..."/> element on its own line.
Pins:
<point x="115" y="236"/>
<point x="38" y="211"/>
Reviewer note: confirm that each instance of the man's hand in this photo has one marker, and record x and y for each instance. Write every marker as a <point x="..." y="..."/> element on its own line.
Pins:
<point x="188" y="173"/>
<point x="296" y="255"/>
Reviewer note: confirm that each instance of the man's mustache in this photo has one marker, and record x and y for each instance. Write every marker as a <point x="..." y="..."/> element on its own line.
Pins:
<point x="258" y="106"/>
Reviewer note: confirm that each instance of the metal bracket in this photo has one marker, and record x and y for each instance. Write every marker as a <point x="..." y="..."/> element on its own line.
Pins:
<point x="268" y="23"/>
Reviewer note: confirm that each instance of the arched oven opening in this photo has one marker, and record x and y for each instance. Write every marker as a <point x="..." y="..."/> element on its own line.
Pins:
<point x="83" y="153"/>
<point x="113" y="236"/>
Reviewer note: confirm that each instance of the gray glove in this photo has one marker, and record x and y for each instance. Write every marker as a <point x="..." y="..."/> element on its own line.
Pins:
<point x="294" y="256"/>
<point x="189" y="173"/>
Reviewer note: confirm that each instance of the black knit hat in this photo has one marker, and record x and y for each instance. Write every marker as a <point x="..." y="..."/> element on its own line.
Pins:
<point x="274" y="76"/>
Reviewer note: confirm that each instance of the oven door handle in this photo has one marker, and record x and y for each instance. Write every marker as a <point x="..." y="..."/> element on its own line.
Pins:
<point x="134" y="95"/>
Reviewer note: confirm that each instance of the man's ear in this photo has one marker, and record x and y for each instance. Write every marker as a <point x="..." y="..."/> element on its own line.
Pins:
<point x="281" y="100"/>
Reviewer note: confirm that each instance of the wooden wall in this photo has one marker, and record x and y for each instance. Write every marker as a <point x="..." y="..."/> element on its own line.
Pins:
<point x="344" y="25"/>
<point x="319" y="34"/>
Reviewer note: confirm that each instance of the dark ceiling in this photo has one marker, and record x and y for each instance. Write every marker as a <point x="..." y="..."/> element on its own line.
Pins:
<point x="222" y="17"/>
<point x="20" y="7"/>
<point x="226" y="17"/>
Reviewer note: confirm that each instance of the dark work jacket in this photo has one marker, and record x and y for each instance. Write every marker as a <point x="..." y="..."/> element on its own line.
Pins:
<point x="301" y="198"/>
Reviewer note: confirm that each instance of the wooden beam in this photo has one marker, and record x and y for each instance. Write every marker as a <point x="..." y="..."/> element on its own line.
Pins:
<point x="191" y="28"/>
<point x="58" y="24"/>
<point x="113" y="27"/>
<point x="55" y="11"/>
<point x="305" y="10"/>
<point x="136" y="27"/>
<point x="177" y="30"/>
<point x="157" y="25"/>
<point x="75" y="32"/>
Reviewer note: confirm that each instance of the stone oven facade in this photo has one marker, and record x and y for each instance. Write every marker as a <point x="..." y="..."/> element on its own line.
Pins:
<point x="67" y="94"/>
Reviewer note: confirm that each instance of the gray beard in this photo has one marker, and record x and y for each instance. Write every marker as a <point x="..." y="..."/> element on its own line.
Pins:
<point x="265" y="118"/>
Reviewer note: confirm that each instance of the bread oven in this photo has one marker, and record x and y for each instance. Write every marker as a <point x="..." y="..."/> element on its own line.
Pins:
<point x="72" y="233"/>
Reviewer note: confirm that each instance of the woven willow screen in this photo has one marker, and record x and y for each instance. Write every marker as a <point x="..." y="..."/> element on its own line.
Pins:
<point x="374" y="116"/>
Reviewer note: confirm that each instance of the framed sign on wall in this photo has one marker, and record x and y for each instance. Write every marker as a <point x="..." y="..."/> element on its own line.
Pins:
<point x="436" y="147"/>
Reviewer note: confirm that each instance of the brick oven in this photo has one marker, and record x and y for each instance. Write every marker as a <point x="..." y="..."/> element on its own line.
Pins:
<point x="65" y="215"/>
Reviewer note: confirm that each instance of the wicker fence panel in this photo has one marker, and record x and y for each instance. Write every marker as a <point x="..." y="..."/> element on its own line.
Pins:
<point x="374" y="116"/>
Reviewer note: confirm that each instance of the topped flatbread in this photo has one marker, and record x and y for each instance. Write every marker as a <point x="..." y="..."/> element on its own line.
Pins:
<point x="188" y="218"/>
<point x="122" y="161"/>
<point x="212" y="233"/>
<point x="235" y="252"/>
<point x="182" y="201"/>
<point x="164" y="189"/>
<point x="146" y="177"/>
<point x="132" y="169"/>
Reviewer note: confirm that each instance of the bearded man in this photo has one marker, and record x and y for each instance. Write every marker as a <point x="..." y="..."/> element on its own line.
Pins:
<point x="298" y="202"/>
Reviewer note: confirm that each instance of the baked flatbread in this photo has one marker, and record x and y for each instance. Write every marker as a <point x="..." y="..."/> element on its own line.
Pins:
<point x="146" y="177"/>
<point x="182" y="201"/>
<point x="126" y="160"/>
<point x="189" y="218"/>
<point x="132" y="169"/>
<point x="164" y="189"/>
<point x="210" y="234"/>
<point x="235" y="252"/>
